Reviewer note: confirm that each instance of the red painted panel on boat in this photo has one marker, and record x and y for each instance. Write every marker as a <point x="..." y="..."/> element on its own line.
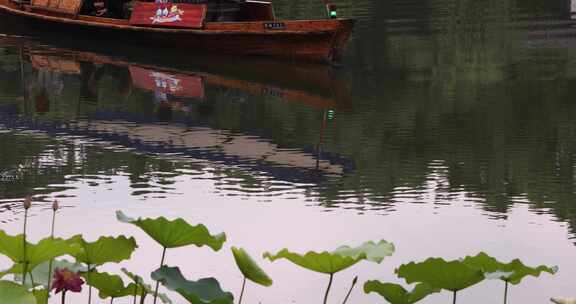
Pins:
<point x="168" y="15"/>
<point x="179" y="85"/>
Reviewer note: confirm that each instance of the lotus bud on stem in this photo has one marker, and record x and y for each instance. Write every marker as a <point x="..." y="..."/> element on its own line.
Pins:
<point x="242" y="292"/>
<point x="55" y="207"/>
<point x="27" y="205"/>
<point x="354" y="281"/>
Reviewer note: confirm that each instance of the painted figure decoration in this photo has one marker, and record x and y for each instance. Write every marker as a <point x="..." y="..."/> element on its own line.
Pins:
<point x="167" y="16"/>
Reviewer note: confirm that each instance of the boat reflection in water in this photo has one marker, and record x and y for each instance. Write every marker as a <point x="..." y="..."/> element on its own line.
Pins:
<point x="82" y="93"/>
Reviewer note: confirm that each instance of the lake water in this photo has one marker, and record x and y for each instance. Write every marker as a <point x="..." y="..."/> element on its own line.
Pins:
<point x="449" y="129"/>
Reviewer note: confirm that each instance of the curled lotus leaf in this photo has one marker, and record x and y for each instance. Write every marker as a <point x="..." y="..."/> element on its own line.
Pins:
<point x="396" y="294"/>
<point x="106" y="249"/>
<point x="337" y="260"/>
<point x="175" y="233"/>
<point x="561" y="300"/>
<point x="109" y="285"/>
<point x="249" y="268"/>
<point x="11" y="292"/>
<point x="147" y="288"/>
<point x="436" y="272"/>
<point x="513" y="272"/>
<point x="520" y="271"/>
<point x="203" y="291"/>
<point x="45" y="250"/>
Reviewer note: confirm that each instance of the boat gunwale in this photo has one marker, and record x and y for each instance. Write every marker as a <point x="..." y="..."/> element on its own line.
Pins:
<point x="331" y="25"/>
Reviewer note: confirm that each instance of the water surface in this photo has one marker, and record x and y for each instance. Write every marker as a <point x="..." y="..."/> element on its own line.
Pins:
<point x="448" y="130"/>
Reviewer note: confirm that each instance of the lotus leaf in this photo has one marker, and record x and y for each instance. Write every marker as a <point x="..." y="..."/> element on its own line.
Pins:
<point x="108" y="285"/>
<point x="46" y="250"/>
<point x="11" y="292"/>
<point x="204" y="291"/>
<point x="104" y="250"/>
<point x="558" y="300"/>
<point x="513" y="272"/>
<point x="249" y="268"/>
<point x="452" y="275"/>
<point x="41" y="295"/>
<point x="176" y="233"/>
<point x="337" y="260"/>
<point x="139" y="281"/>
<point x="396" y="294"/>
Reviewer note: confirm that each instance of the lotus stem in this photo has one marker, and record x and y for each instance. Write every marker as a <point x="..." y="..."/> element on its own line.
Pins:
<point x="51" y="260"/>
<point x="242" y="292"/>
<point x="25" y="271"/>
<point x="143" y="296"/>
<point x="89" y="286"/>
<point x="135" y="292"/>
<point x="454" y="301"/>
<point x="328" y="288"/>
<point x="63" y="296"/>
<point x="158" y="282"/>
<point x="354" y="281"/>
<point x="505" y="292"/>
<point x="31" y="278"/>
<point x="112" y="300"/>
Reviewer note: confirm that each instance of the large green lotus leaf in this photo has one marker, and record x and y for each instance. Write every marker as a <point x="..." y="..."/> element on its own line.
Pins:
<point x="45" y="250"/>
<point x="513" y="272"/>
<point x="109" y="285"/>
<point x="139" y="281"/>
<point x="105" y="250"/>
<point x="338" y="260"/>
<point x="204" y="291"/>
<point x="453" y="275"/>
<point x="176" y="233"/>
<point x="249" y="268"/>
<point x="396" y="294"/>
<point x="11" y="292"/>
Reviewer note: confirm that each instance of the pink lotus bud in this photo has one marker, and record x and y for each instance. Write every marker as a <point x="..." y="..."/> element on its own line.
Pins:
<point x="55" y="205"/>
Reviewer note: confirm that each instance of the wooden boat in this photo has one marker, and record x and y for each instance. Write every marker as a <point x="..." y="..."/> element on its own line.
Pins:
<point x="257" y="31"/>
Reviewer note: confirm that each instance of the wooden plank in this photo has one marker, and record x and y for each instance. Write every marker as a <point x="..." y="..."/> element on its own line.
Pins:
<point x="70" y="6"/>
<point x="177" y="15"/>
<point x="40" y="3"/>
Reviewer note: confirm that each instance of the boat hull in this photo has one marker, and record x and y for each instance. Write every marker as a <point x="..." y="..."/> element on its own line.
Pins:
<point x="307" y="40"/>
